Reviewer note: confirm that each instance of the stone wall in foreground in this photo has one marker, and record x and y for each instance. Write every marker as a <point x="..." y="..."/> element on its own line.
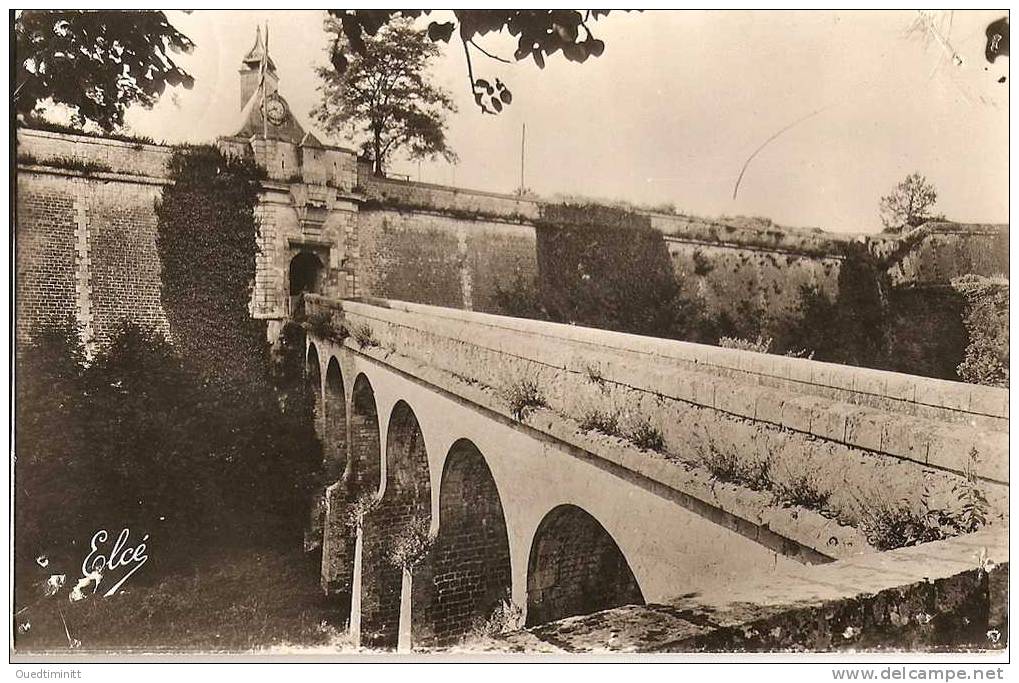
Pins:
<point x="945" y="596"/>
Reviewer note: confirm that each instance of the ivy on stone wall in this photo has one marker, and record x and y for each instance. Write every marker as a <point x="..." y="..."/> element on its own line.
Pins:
<point x="207" y="245"/>
<point x="261" y="446"/>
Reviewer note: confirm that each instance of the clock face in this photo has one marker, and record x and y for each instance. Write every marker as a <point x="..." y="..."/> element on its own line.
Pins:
<point x="275" y="111"/>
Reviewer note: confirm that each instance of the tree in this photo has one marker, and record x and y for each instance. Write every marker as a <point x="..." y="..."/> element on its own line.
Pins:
<point x="385" y="98"/>
<point x="909" y="203"/>
<point x="95" y="62"/>
<point x="540" y="33"/>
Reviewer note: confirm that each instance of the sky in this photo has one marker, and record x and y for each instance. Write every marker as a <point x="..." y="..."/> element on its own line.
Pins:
<point x="674" y="107"/>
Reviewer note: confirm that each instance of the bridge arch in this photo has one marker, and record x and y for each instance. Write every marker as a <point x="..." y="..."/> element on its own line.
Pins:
<point x="335" y="432"/>
<point x="576" y="567"/>
<point x="313" y="368"/>
<point x="472" y="571"/>
<point x="396" y="536"/>
<point x="364" y="452"/>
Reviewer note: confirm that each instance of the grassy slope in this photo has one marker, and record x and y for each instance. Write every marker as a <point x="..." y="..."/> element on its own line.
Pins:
<point x="242" y="600"/>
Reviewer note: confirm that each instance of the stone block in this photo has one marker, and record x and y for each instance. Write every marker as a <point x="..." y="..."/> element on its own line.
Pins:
<point x="949" y="448"/>
<point x="869" y="381"/>
<point x="797" y="414"/>
<point x="989" y="401"/>
<point x="864" y="429"/>
<point x="907" y="438"/>
<point x="829" y="421"/>
<point x="900" y="387"/>
<point x="769" y="407"/>
<point x="737" y="399"/>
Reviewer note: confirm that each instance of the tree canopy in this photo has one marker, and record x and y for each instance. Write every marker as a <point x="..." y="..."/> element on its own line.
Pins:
<point x="909" y="204"/>
<point x="97" y="63"/>
<point x="384" y="96"/>
<point x="540" y="33"/>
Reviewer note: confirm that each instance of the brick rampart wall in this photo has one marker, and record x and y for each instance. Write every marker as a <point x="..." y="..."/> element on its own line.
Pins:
<point x="86" y="250"/>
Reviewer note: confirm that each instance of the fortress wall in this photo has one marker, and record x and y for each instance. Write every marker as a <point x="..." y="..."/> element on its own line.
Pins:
<point x="438" y="259"/>
<point x="63" y="150"/>
<point x="87" y="251"/>
<point x="738" y="281"/>
<point x="429" y="197"/>
<point x="947" y="250"/>
<point x="86" y="229"/>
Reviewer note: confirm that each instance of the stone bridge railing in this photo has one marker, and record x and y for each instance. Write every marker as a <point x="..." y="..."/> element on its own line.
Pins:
<point x="929" y="422"/>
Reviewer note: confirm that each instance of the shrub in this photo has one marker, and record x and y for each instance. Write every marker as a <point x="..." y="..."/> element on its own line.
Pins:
<point x="321" y="325"/>
<point x="760" y="345"/>
<point x="361" y="506"/>
<point x="148" y="443"/>
<point x="412" y="544"/>
<point x="365" y="337"/>
<point x="505" y="617"/>
<point x="523" y="396"/>
<point x="609" y="268"/>
<point x="986" y="320"/>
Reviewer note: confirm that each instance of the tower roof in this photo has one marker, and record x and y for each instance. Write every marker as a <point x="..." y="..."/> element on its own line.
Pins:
<point x="254" y="123"/>
<point x="254" y="57"/>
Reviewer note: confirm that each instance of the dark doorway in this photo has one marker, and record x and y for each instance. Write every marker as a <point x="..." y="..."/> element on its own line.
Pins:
<point x="305" y="276"/>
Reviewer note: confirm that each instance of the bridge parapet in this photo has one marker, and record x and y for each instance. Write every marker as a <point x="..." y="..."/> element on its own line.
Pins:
<point x="928" y="422"/>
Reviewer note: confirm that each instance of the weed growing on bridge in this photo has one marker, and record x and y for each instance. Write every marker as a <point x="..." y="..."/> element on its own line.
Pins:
<point x="365" y="337"/>
<point x="962" y="509"/>
<point x="360" y="507"/>
<point x="593" y="372"/>
<point x="507" y="616"/>
<point x="645" y="435"/>
<point x="975" y="508"/>
<point x="523" y="396"/>
<point x="320" y="324"/>
<point x="412" y="544"/>
<point x="725" y="464"/>
<point x="804" y="488"/>
<point x="636" y="429"/>
<point x="899" y="524"/>
<point x="595" y="420"/>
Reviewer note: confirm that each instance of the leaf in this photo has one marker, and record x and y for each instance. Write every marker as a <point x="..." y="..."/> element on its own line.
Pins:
<point x="443" y="32"/>
<point x="539" y="58"/>
<point x="506" y="96"/>
<point x="496" y="104"/>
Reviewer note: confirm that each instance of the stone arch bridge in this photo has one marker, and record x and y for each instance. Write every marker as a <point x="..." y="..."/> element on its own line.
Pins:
<point x="485" y="470"/>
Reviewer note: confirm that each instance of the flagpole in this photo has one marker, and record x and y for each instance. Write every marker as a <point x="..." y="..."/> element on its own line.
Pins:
<point x="264" y="67"/>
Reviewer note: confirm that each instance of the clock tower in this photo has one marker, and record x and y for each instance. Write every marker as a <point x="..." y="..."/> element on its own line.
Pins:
<point x="265" y="113"/>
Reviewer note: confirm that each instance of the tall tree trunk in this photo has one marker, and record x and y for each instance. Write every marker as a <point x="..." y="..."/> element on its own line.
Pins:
<point x="377" y="147"/>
